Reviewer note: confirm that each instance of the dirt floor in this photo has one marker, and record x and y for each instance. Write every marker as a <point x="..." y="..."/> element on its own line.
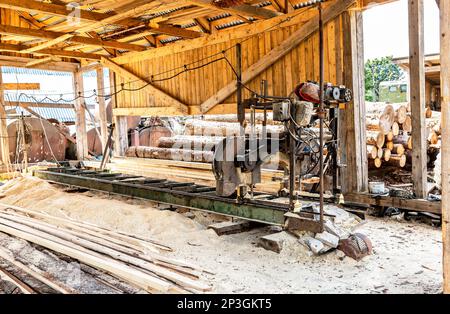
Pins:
<point x="406" y="259"/>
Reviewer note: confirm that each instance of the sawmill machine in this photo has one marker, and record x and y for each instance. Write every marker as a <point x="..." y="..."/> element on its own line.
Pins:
<point x="238" y="159"/>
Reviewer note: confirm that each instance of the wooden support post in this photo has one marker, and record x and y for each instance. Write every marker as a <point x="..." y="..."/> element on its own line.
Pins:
<point x="417" y="96"/>
<point x="445" y="124"/>
<point x="121" y="126"/>
<point x="4" y="139"/>
<point x="102" y="107"/>
<point x="353" y="130"/>
<point x="82" y="145"/>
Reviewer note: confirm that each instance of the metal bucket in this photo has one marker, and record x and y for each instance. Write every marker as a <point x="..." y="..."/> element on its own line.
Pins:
<point x="377" y="187"/>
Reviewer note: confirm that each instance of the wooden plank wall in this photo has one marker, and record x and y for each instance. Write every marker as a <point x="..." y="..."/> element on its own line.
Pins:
<point x="193" y="88"/>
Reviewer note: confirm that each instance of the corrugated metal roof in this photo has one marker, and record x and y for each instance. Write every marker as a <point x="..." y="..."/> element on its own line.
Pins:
<point x="64" y="115"/>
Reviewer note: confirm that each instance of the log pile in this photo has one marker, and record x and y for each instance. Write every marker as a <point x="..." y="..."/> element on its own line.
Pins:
<point x="389" y="141"/>
<point x="133" y="260"/>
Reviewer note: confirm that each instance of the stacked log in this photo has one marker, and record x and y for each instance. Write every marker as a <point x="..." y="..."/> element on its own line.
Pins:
<point x="170" y="154"/>
<point x="389" y="129"/>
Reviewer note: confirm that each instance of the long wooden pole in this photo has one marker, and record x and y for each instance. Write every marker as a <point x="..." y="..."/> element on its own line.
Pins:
<point x="82" y="145"/>
<point x="417" y="96"/>
<point x="102" y="107"/>
<point x="445" y="125"/>
<point x="4" y="139"/>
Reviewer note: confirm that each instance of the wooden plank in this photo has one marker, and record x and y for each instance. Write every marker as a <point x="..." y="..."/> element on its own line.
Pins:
<point x="161" y="97"/>
<point x="4" y="139"/>
<point x="102" y="107"/>
<point x="21" y="62"/>
<point x="20" y="86"/>
<point x="50" y="51"/>
<point x="445" y="146"/>
<point x="278" y="52"/>
<point x="45" y="34"/>
<point x="148" y="112"/>
<point x="48" y="8"/>
<point x="131" y="274"/>
<point x="39" y="105"/>
<point x="417" y="96"/>
<point x="82" y="145"/>
<point x="353" y="137"/>
<point x="418" y="205"/>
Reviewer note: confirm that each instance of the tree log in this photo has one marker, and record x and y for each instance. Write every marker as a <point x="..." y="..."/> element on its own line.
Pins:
<point x="398" y="149"/>
<point x="397" y="161"/>
<point x="389" y="136"/>
<point x="189" y="142"/>
<point x="407" y="125"/>
<point x="395" y="129"/>
<point x="170" y="154"/>
<point x="400" y="113"/>
<point x="375" y="163"/>
<point x="375" y="138"/>
<point x="386" y="154"/>
<point x="403" y="139"/>
<point x="387" y="119"/>
<point x="372" y="151"/>
<point x="210" y="128"/>
<point x="390" y="145"/>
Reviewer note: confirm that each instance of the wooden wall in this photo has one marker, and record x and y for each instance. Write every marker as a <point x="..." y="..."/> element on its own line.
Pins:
<point x="193" y="88"/>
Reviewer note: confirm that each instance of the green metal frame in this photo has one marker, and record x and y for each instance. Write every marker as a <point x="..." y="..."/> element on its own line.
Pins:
<point x="259" y="211"/>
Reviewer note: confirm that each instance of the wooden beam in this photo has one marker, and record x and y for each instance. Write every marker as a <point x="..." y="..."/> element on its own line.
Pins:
<point x="161" y="97"/>
<point x="50" y="9"/>
<point x="147" y="112"/>
<point x="245" y="10"/>
<point x="21" y="62"/>
<point x="122" y="16"/>
<point x="36" y="62"/>
<point x="353" y="136"/>
<point x="159" y="28"/>
<point x="417" y="96"/>
<point x="52" y="52"/>
<point x="4" y="139"/>
<point x="275" y="54"/>
<point x="20" y="86"/>
<point x="82" y="144"/>
<point x="44" y="34"/>
<point x="102" y="107"/>
<point x="224" y="36"/>
<point x="39" y="105"/>
<point x="419" y="205"/>
<point x="445" y="147"/>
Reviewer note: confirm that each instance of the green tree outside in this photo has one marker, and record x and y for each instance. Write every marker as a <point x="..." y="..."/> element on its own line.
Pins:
<point x="377" y="71"/>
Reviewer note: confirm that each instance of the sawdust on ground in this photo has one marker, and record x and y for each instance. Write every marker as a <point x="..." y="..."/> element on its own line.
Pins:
<point x="406" y="259"/>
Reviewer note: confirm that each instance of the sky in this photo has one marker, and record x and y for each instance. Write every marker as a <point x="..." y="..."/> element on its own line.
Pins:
<point x="386" y="30"/>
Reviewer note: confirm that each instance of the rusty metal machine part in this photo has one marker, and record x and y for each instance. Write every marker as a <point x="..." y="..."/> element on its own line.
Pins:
<point x="356" y="246"/>
<point x="37" y="133"/>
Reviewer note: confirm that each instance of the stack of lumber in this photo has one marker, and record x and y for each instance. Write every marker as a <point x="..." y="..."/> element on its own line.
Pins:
<point x="132" y="259"/>
<point x="389" y="141"/>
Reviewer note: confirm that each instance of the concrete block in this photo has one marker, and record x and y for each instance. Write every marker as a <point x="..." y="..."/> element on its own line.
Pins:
<point x="336" y="230"/>
<point x="328" y="239"/>
<point x="314" y="245"/>
<point x="274" y="242"/>
<point x="230" y="227"/>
